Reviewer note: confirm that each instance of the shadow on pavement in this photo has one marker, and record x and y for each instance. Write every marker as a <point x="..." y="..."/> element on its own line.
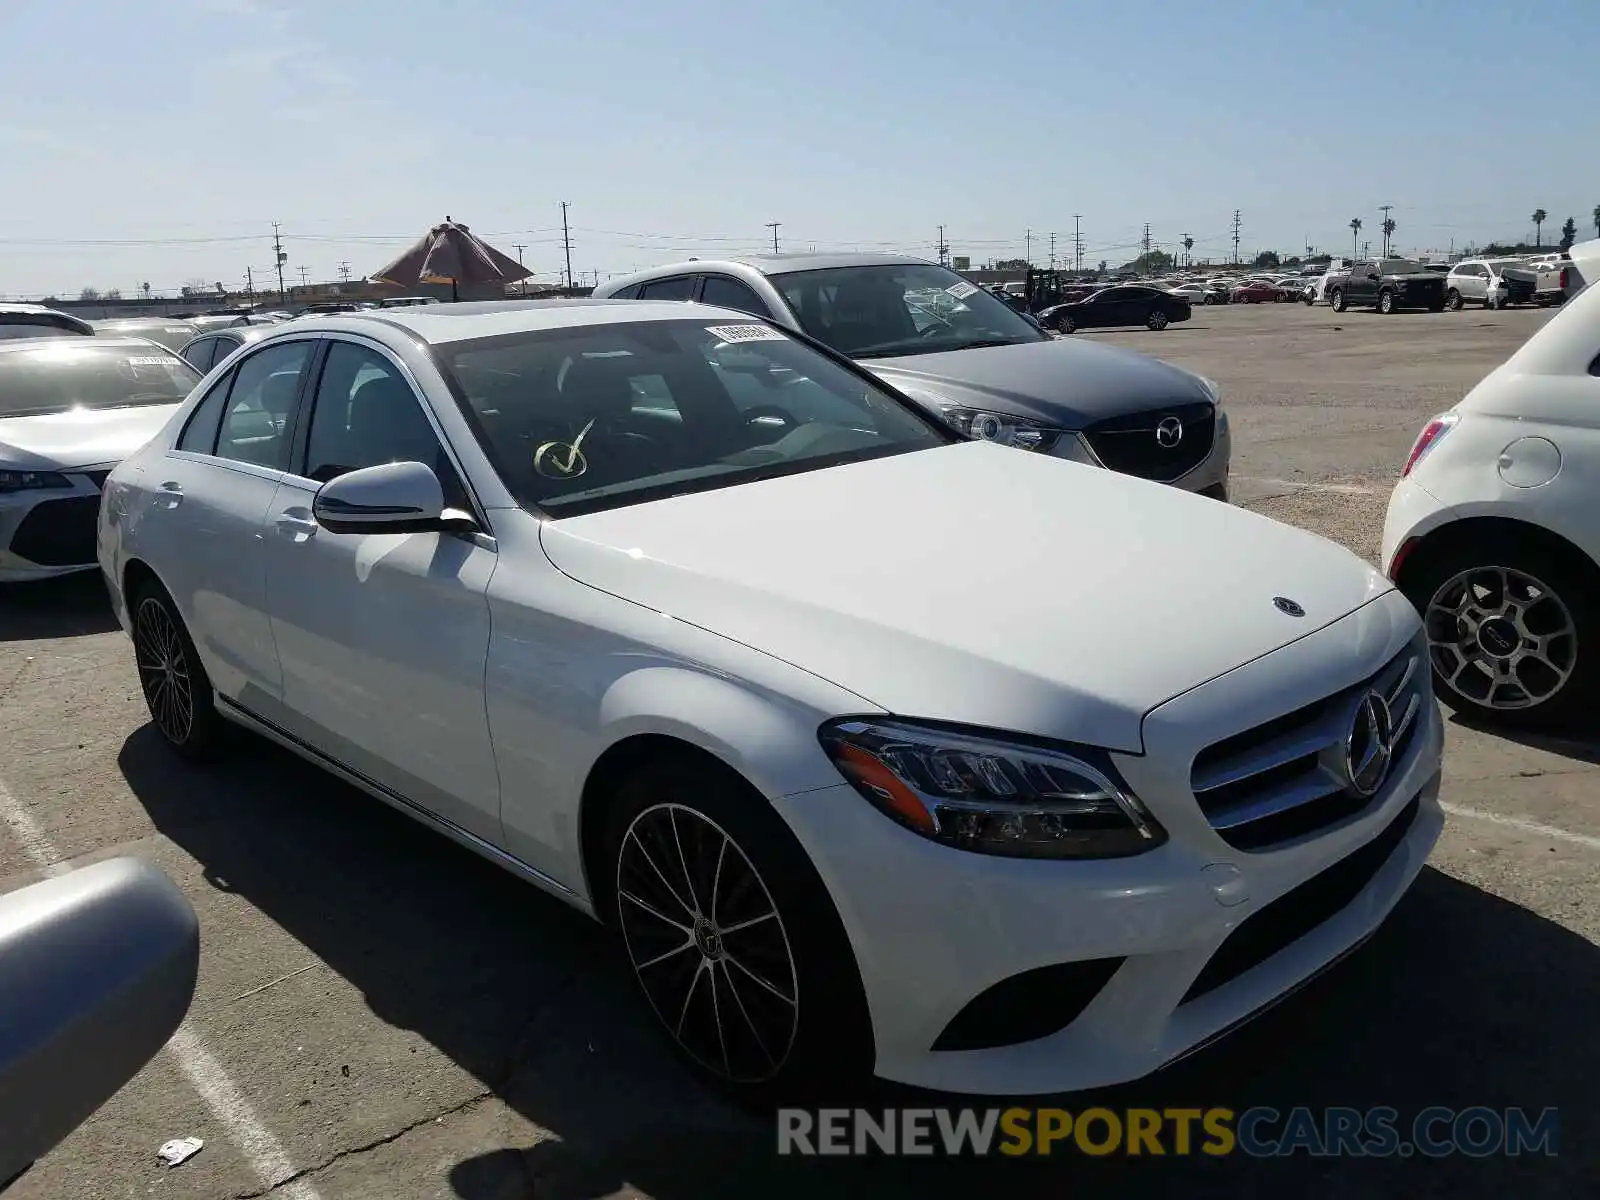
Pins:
<point x="63" y="607"/>
<point x="1461" y="999"/>
<point x="1577" y="741"/>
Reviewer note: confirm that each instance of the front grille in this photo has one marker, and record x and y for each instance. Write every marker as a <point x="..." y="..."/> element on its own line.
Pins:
<point x="1129" y="444"/>
<point x="1290" y="776"/>
<point x="1286" y="920"/>
<point x="58" y="533"/>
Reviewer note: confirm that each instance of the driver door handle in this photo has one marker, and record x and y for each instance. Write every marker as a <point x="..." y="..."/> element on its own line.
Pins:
<point x="170" y="495"/>
<point x="295" y="527"/>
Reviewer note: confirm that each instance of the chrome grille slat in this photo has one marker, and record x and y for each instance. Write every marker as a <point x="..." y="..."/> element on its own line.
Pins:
<point x="1287" y="776"/>
<point x="1314" y="785"/>
<point x="1328" y="730"/>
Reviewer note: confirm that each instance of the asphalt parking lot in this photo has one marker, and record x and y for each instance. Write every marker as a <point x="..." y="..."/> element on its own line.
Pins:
<point x="381" y="1014"/>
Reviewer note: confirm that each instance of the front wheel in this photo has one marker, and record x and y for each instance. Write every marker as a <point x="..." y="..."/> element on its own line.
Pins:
<point x="176" y="689"/>
<point x="1386" y="302"/>
<point x="1452" y="300"/>
<point x="1066" y="324"/>
<point x="1157" y="319"/>
<point x="1512" y="629"/>
<point x="1336" y="300"/>
<point x="732" y="937"/>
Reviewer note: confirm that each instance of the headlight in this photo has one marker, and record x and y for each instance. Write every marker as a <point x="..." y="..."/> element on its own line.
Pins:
<point x="989" y="792"/>
<point x="1213" y="389"/>
<point x="997" y="427"/>
<point x="24" y="481"/>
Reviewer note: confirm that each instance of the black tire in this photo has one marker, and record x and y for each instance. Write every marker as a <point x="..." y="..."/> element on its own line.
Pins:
<point x="1336" y="300"/>
<point x="1433" y="582"/>
<point x="1386" y="299"/>
<point x="1206" y="300"/>
<point x="1157" y="320"/>
<point x="819" y="1042"/>
<point x="1066" y="324"/>
<point x="1453" y="301"/>
<point x="177" y="690"/>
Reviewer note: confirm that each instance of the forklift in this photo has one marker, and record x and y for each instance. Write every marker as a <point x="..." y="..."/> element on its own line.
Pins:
<point x="1042" y="289"/>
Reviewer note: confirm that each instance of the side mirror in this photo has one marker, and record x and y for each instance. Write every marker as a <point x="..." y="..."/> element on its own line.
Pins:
<point x="401" y="497"/>
<point x="97" y="969"/>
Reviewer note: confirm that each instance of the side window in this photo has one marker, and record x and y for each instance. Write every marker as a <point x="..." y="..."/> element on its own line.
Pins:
<point x="198" y="354"/>
<point x="225" y="346"/>
<point x="679" y="288"/>
<point x="366" y="414"/>
<point x="730" y="293"/>
<point x="258" y="420"/>
<point x="631" y="292"/>
<point x="200" y="434"/>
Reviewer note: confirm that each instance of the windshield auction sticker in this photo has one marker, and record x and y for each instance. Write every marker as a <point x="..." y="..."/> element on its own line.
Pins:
<point x="745" y="333"/>
<point x="962" y="290"/>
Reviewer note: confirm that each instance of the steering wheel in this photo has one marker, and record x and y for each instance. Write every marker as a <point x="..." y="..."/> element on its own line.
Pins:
<point x="756" y="411"/>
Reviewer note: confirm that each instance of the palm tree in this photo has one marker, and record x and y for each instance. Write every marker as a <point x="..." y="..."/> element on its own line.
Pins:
<point x="1388" y="233"/>
<point x="1539" y="216"/>
<point x="1188" y="242"/>
<point x="1355" y="232"/>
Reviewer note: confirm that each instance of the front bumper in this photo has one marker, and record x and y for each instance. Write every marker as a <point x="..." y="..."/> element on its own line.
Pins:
<point x="51" y="531"/>
<point x="933" y="928"/>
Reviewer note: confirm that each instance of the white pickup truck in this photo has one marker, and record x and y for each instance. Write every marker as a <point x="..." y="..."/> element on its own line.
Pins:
<point x="1557" y="278"/>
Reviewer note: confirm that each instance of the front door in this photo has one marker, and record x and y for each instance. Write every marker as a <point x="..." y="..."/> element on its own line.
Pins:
<point x="383" y="637"/>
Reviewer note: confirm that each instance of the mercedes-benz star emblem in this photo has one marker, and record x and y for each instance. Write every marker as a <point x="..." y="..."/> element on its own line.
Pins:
<point x="1370" y="745"/>
<point x="1169" y="432"/>
<point x="1287" y="607"/>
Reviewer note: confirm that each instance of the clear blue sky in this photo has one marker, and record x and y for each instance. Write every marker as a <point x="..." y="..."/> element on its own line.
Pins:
<point x="677" y="128"/>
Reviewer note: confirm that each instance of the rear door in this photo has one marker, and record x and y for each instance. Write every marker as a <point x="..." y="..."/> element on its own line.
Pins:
<point x="383" y="637"/>
<point x="202" y="505"/>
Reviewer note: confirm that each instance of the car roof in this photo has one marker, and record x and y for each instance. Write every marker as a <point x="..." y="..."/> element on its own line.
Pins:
<point x="109" y="322"/>
<point x="438" y="324"/>
<point x="101" y="342"/>
<point x="779" y="264"/>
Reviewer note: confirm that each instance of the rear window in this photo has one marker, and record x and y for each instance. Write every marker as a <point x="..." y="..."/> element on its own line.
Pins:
<point x="69" y="373"/>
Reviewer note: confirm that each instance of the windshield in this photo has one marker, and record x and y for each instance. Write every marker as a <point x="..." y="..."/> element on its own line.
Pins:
<point x="584" y="419"/>
<point x="65" y="374"/>
<point x="900" y="308"/>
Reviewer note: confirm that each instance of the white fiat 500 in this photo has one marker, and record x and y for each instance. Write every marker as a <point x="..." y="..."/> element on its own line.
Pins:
<point x="669" y="612"/>
<point x="1494" y="527"/>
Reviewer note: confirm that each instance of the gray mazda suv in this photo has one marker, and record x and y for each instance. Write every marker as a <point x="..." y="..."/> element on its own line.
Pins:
<point x="990" y="372"/>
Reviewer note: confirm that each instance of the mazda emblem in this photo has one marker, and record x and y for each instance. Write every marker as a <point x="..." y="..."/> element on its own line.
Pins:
<point x="1369" y="747"/>
<point x="1287" y="607"/>
<point x="1169" y="432"/>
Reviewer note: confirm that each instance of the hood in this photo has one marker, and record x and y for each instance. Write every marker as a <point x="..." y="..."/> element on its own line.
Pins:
<point x="1063" y="383"/>
<point x="80" y="437"/>
<point x="976" y="583"/>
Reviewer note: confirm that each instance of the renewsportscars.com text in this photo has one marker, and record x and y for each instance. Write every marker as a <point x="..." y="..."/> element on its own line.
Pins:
<point x="1257" y="1132"/>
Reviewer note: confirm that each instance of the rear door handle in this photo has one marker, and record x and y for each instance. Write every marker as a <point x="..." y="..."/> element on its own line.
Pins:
<point x="171" y="494"/>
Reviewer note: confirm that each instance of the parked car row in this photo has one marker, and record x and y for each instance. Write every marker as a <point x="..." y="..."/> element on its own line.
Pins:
<point x="680" y="673"/>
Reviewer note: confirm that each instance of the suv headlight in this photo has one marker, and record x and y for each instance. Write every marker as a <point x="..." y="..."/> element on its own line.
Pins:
<point x="991" y="792"/>
<point x="25" y="481"/>
<point x="997" y="427"/>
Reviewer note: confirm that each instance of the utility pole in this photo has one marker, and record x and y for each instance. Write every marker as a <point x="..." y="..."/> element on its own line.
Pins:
<point x="773" y="225"/>
<point x="1366" y="249"/>
<point x="250" y="285"/>
<point x="280" y="257"/>
<point x="302" y="271"/>
<point x="1144" y="246"/>
<point x="1052" y="252"/>
<point x="1236" y="237"/>
<point x="566" y="242"/>
<point x="1077" y="243"/>
<point x="1384" y="209"/>
<point x="1027" y="253"/>
<point x="519" y="247"/>
<point x="944" y="250"/>
<point x="344" y="272"/>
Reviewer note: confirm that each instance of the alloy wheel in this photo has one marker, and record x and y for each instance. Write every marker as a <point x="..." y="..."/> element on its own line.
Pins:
<point x="163" y="670"/>
<point x="707" y="943"/>
<point x="1501" y="638"/>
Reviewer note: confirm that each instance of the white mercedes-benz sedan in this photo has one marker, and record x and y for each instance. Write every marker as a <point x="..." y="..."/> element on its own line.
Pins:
<point x="70" y="409"/>
<point x="882" y="749"/>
